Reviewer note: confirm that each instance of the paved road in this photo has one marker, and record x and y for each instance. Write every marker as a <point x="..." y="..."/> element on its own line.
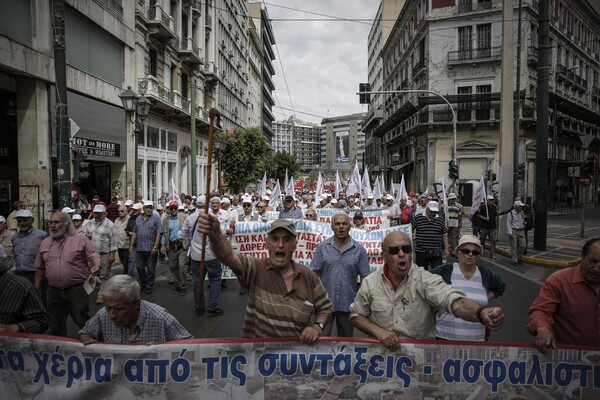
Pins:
<point x="523" y="283"/>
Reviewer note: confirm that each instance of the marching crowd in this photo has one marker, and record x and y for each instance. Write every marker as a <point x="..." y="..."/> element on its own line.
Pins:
<point x="47" y="276"/>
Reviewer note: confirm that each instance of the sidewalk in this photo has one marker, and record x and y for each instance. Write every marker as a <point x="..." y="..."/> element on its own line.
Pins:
<point x="563" y="240"/>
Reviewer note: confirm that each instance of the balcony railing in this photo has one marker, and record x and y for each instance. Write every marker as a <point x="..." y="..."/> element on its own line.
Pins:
<point x="157" y="14"/>
<point x="421" y="65"/>
<point x="167" y="98"/>
<point x="464" y="7"/>
<point x="188" y="47"/>
<point x="484" y="5"/>
<point x="480" y="54"/>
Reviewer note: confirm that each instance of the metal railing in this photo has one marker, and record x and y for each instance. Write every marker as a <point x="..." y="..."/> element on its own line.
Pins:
<point x="156" y="13"/>
<point x="484" y="53"/>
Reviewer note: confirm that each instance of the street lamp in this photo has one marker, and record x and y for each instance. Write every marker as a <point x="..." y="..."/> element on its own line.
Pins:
<point x="140" y="106"/>
<point x="219" y="145"/>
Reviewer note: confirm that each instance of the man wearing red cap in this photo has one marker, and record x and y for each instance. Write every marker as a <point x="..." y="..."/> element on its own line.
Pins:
<point x="176" y="249"/>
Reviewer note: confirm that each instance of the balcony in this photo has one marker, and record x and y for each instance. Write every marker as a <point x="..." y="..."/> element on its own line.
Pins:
<point x="196" y="8"/>
<point x="484" y="5"/>
<point x="189" y="52"/>
<point x="532" y="55"/>
<point x="570" y="78"/>
<point x="160" y="22"/>
<point x="595" y="92"/>
<point x="419" y="68"/>
<point x="168" y="102"/>
<point x="475" y="56"/>
<point x="464" y="7"/>
<point x="208" y="23"/>
<point x="211" y="72"/>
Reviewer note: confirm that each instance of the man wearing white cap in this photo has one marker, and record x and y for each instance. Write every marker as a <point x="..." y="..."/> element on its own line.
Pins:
<point x="145" y="240"/>
<point x="26" y="244"/>
<point x="370" y="205"/>
<point x="515" y="227"/>
<point x="101" y="231"/>
<point x="431" y="237"/>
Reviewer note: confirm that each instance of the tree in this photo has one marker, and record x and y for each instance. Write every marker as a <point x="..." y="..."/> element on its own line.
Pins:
<point x="243" y="161"/>
<point x="278" y="164"/>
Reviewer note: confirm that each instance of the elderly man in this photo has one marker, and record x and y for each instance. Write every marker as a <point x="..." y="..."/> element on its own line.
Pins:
<point x="21" y="307"/>
<point x="26" y="244"/>
<point x="145" y="240"/>
<point x="431" y="240"/>
<point x="101" y="231"/>
<point x="564" y="311"/>
<point x="248" y="214"/>
<point x="175" y="248"/>
<point x="339" y="261"/>
<point x="66" y="260"/>
<point x="126" y="318"/>
<point x="515" y="227"/>
<point x="395" y="213"/>
<point x="123" y="236"/>
<point x="11" y="220"/>
<point x="282" y="294"/>
<point x="212" y="266"/>
<point x="487" y="222"/>
<point x="370" y="205"/>
<point x="398" y="301"/>
<point x="6" y="242"/>
<point x="290" y="211"/>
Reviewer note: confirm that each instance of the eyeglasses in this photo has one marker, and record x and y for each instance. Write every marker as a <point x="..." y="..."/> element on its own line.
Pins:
<point x="247" y="205"/>
<point x="260" y="206"/>
<point x="393" y="250"/>
<point x="470" y="251"/>
<point x="122" y="210"/>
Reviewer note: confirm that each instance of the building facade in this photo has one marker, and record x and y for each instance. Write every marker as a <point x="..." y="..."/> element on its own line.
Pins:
<point x="173" y="52"/>
<point x="301" y="139"/>
<point x="342" y="143"/>
<point x="454" y="49"/>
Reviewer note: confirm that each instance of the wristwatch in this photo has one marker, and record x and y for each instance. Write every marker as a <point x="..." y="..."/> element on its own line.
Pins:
<point x="320" y="325"/>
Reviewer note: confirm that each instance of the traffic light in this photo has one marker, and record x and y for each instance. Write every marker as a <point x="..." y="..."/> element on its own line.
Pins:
<point x="81" y="168"/>
<point x="488" y="174"/>
<point x="589" y="164"/>
<point x="364" y="98"/>
<point x="452" y="170"/>
<point x="521" y="171"/>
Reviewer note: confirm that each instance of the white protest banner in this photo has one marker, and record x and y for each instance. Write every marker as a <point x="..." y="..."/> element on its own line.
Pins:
<point x="46" y="367"/>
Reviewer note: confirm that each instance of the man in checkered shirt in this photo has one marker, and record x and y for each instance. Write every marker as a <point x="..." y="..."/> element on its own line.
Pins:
<point x="126" y="318"/>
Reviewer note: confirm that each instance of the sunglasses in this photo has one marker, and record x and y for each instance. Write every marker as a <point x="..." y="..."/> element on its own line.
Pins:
<point x="469" y="251"/>
<point x="247" y="205"/>
<point x="393" y="250"/>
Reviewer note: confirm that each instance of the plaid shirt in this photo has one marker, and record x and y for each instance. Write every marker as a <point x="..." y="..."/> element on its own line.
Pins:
<point x="104" y="235"/>
<point x="146" y="230"/>
<point x="154" y="324"/>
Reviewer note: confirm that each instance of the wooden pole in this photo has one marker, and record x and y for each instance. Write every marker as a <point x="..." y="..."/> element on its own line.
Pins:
<point x="212" y="114"/>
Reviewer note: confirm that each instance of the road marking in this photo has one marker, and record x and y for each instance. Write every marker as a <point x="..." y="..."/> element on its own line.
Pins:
<point x="207" y="328"/>
<point x="513" y="271"/>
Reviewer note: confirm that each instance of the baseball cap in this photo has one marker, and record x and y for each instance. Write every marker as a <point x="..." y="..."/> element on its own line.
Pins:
<point x="389" y="197"/>
<point x="225" y="200"/>
<point x="76" y="216"/>
<point x="137" y="206"/>
<point x="370" y="196"/>
<point x="452" y="196"/>
<point x="172" y="203"/>
<point x="159" y="207"/>
<point x="201" y="200"/>
<point x="433" y="206"/>
<point x="246" y="200"/>
<point x="519" y="203"/>
<point x="67" y="210"/>
<point x="290" y="198"/>
<point x="491" y="197"/>
<point x="148" y="203"/>
<point x="99" y="208"/>
<point x="333" y="201"/>
<point x="128" y="202"/>
<point x="24" y="214"/>
<point x="469" y="239"/>
<point x="265" y="197"/>
<point x="358" y="214"/>
<point x="283" y="223"/>
<point x="2" y="219"/>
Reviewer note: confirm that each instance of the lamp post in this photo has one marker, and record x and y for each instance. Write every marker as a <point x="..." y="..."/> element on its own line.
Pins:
<point x="140" y="106"/>
<point x="219" y="146"/>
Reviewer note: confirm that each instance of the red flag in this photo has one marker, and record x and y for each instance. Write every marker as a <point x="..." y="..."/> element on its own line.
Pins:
<point x="299" y="185"/>
<point x="411" y="193"/>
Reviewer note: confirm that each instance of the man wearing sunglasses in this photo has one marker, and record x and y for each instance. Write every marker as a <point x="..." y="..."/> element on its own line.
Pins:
<point x="248" y="214"/>
<point x="431" y="237"/>
<point x="291" y="211"/>
<point x="398" y="301"/>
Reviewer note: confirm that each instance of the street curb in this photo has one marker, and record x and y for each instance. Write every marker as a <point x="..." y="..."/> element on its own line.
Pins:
<point x="546" y="262"/>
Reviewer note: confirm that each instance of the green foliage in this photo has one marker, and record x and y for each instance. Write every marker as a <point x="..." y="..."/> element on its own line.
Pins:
<point x="278" y="163"/>
<point x="244" y="159"/>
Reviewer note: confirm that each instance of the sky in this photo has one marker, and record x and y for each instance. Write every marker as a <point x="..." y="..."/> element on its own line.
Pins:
<point x="322" y="61"/>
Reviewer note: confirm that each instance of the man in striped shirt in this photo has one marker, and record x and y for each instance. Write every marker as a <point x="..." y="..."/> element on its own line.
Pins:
<point x="431" y="237"/>
<point x="282" y="294"/>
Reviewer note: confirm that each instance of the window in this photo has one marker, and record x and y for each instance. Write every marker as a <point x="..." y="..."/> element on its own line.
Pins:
<point x="152" y="166"/>
<point x="465" y="42"/>
<point x="484" y="103"/>
<point x="153" y="63"/>
<point x="172" y="142"/>
<point x="163" y="139"/>
<point x="184" y="85"/>
<point x="465" y="103"/>
<point x="153" y="137"/>
<point x="484" y="40"/>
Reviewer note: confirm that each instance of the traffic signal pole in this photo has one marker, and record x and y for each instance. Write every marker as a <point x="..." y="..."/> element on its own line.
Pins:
<point x="364" y="93"/>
